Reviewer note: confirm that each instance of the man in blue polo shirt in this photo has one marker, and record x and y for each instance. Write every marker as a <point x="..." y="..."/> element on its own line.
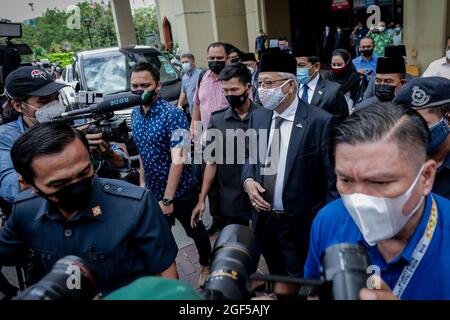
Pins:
<point x="385" y="181"/>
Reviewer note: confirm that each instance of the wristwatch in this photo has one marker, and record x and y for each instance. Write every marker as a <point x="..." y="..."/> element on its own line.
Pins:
<point x="167" y="201"/>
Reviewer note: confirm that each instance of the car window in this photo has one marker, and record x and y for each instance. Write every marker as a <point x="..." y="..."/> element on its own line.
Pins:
<point x="106" y="74"/>
<point x="109" y="73"/>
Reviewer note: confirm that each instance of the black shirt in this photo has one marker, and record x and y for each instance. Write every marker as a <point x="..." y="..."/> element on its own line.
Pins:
<point x="442" y="182"/>
<point x="234" y="201"/>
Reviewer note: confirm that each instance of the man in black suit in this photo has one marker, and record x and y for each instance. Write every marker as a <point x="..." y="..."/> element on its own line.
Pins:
<point x="327" y="44"/>
<point x="319" y="92"/>
<point x="287" y="174"/>
<point x="340" y="39"/>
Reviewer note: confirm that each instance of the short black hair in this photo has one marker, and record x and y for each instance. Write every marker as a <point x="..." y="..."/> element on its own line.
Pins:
<point x="217" y="45"/>
<point x="313" y="59"/>
<point x="189" y="56"/>
<point x="398" y="123"/>
<point x="236" y="70"/>
<point x="42" y="139"/>
<point x="145" y="66"/>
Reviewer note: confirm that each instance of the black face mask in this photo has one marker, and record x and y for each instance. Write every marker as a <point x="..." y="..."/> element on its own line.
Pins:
<point x="367" y="53"/>
<point x="148" y="98"/>
<point x="385" y="93"/>
<point x="236" y="102"/>
<point x="216" y="66"/>
<point x="73" y="197"/>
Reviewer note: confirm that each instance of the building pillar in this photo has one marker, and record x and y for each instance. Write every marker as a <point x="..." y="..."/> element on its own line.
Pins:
<point x="123" y="23"/>
<point x="256" y="20"/>
<point x="230" y="23"/>
<point x="426" y="27"/>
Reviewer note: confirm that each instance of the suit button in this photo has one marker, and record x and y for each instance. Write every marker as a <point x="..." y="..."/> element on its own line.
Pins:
<point x="68" y="233"/>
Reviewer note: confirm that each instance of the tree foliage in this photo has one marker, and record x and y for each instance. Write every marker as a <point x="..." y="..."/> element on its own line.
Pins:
<point x="51" y="33"/>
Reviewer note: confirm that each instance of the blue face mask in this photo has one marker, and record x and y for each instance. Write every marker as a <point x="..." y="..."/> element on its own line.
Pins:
<point x="439" y="133"/>
<point x="303" y="76"/>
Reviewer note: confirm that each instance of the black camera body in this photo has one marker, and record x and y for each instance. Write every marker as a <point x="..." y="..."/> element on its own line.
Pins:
<point x="104" y="121"/>
<point x="235" y="260"/>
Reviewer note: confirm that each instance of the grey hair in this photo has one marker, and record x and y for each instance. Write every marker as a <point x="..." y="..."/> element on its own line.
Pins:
<point x="386" y="122"/>
<point x="287" y="75"/>
<point x="188" y="56"/>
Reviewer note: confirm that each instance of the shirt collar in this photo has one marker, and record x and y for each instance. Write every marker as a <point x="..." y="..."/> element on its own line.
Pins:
<point x="230" y="113"/>
<point x="289" y="113"/>
<point x="21" y="124"/>
<point x="155" y="108"/>
<point x="313" y="83"/>
<point x="93" y="210"/>
<point x="412" y="243"/>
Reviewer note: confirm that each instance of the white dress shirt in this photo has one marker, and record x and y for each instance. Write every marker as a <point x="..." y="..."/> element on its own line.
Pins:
<point x="438" y="68"/>
<point x="311" y="88"/>
<point x="285" y="132"/>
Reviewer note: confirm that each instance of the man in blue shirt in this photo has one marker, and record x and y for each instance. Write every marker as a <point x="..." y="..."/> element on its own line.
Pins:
<point x="385" y="181"/>
<point x="161" y="131"/>
<point x="189" y="81"/>
<point x="32" y="93"/>
<point x="117" y="228"/>
<point x="366" y="63"/>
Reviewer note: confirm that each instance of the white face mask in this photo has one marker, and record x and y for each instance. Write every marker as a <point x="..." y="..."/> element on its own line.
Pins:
<point x="47" y="112"/>
<point x="448" y="54"/>
<point x="272" y="98"/>
<point x="187" y="67"/>
<point x="380" y="218"/>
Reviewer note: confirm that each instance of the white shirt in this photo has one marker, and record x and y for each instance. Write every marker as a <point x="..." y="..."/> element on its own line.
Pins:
<point x="285" y="131"/>
<point x="438" y="68"/>
<point x="311" y="88"/>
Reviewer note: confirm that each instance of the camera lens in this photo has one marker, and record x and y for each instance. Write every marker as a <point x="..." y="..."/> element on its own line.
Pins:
<point x="235" y="258"/>
<point x="69" y="279"/>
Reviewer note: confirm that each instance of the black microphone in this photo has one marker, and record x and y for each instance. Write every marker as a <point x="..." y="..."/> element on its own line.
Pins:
<point x="113" y="103"/>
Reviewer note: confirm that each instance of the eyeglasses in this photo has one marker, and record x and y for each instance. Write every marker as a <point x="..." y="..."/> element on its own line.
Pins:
<point x="269" y="83"/>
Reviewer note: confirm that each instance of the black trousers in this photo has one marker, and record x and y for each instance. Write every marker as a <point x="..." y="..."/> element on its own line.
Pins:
<point x="182" y="211"/>
<point x="278" y="248"/>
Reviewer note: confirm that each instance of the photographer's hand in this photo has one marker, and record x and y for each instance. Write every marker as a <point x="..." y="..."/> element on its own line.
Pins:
<point x="384" y="293"/>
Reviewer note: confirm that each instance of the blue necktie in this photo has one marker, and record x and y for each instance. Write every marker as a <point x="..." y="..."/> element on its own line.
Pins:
<point x="305" y="93"/>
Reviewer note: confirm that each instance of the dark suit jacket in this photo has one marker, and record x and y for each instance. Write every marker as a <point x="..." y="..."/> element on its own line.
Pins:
<point x="309" y="181"/>
<point x="328" y="96"/>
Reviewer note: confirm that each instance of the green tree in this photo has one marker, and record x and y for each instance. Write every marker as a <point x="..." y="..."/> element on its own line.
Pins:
<point x="50" y="31"/>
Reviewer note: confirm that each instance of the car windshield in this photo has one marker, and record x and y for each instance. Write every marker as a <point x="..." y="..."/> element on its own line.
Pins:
<point x="108" y="73"/>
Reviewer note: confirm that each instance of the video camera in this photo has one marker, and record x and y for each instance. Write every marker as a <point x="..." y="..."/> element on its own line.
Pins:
<point x="99" y="112"/>
<point x="10" y="53"/>
<point x="235" y="259"/>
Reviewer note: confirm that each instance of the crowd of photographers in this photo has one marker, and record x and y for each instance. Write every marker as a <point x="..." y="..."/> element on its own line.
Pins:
<point x="330" y="159"/>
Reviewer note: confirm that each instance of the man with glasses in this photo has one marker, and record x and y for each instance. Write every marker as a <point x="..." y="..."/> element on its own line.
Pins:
<point x="287" y="174"/>
<point x="314" y="89"/>
<point x="390" y="78"/>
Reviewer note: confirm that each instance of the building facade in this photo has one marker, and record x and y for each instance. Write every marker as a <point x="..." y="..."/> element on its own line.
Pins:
<point x="193" y="24"/>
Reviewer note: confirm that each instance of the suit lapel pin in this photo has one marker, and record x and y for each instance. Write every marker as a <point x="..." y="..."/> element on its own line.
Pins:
<point x="320" y="92"/>
<point x="300" y="126"/>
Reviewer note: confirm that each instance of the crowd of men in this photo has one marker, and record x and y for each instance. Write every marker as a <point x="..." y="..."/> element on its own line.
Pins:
<point x="358" y="155"/>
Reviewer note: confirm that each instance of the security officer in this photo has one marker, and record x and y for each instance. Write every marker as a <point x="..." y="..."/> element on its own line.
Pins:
<point x="431" y="98"/>
<point x="117" y="228"/>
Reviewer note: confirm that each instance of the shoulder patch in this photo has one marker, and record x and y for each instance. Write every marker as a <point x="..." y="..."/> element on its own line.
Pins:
<point x="26" y="195"/>
<point x="125" y="190"/>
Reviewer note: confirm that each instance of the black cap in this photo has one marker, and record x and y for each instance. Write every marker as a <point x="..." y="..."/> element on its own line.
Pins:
<point x="30" y="81"/>
<point x="391" y="65"/>
<point x="278" y="62"/>
<point x="248" y="57"/>
<point x="424" y="93"/>
<point x="395" y="51"/>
